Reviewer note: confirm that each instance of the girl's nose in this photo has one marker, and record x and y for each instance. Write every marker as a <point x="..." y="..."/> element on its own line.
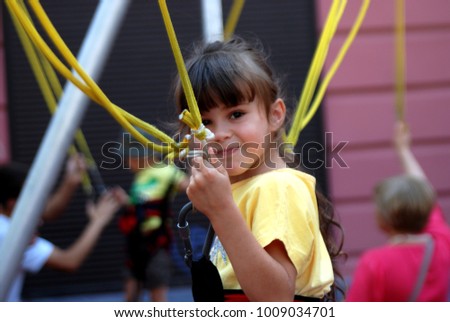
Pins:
<point x="221" y="132"/>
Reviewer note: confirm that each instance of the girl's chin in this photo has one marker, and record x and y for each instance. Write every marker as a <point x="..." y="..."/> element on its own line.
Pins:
<point x="235" y="172"/>
<point x="238" y="174"/>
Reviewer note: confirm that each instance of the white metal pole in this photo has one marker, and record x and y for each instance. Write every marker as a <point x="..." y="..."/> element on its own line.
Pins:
<point x="212" y="20"/>
<point x="58" y="137"/>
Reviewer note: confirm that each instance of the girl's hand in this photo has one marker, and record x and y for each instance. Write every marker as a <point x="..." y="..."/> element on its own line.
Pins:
<point x="209" y="188"/>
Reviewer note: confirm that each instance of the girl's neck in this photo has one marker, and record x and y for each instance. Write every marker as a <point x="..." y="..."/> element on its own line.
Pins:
<point x="273" y="163"/>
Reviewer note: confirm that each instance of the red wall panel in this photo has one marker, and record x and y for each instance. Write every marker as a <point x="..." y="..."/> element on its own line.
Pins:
<point x="368" y="166"/>
<point x="372" y="56"/>
<point x="358" y="108"/>
<point x="361" y="230"/>
<point x="381" y="13"/>
<point x="427" y="113"/>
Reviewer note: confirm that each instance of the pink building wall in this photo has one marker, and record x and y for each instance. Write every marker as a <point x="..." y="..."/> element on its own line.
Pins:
<point x="4" y="132"/>
<point x="359" y="108"/>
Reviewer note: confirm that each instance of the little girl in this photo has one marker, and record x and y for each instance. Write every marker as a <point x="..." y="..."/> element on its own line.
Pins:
<point x="269" y="245"/>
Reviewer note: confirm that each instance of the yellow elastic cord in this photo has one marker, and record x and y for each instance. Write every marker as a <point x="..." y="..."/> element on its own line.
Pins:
<point x="66" y="53"/>
<point x="35" y="64"/>
<point x="184" y="77"/>
<point x="48" y="83"/>
<point x="233" y="18"/>
<point x="330" y="26"/>
<point x="95" y="92"/>
<point x="400" y="57"/>
<point x="40" y="43"/>
<point x="187" y="119"/>
<point x="192" y="118"/>
<point x="89" y="87"/>
<point x="337" y="62"/>
<point x="294" y="134"/>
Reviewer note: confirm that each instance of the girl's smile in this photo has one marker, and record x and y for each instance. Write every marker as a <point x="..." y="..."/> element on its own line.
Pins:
<point x="240" y="134"/>
<point x="226" y="151"/>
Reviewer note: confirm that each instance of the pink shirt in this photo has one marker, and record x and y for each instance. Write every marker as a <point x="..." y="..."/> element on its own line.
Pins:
<point x="389" y="273"/>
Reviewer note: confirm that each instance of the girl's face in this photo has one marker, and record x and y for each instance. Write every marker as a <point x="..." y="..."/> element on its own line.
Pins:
<point x="243" y="140"/>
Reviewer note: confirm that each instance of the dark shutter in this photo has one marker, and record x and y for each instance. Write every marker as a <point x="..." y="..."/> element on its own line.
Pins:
<point x="138" y="77"/>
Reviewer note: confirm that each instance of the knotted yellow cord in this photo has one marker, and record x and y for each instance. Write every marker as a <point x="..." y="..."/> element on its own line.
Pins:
<point x="87" y="85"/>
<point x="301" y="119"/>
<point x="51" y="89"/>
<point x="120" y="115"/>
<point x="233" y="18"/>
<point x="400" y="57"/>
<point x="192" y="117"/>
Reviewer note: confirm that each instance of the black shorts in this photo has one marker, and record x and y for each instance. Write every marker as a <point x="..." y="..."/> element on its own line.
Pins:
<point x="157" y="271"/>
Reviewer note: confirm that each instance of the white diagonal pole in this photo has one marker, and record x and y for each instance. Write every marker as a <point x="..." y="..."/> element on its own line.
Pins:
<point x="212" y="19"/>
<point x="58" y="137"/>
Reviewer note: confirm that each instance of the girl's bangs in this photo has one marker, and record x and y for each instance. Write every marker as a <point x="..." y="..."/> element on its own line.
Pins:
<point x="221" y="85"/>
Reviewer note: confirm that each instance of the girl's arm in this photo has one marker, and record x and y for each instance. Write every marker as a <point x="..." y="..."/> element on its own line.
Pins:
<point x="265" y="274"/>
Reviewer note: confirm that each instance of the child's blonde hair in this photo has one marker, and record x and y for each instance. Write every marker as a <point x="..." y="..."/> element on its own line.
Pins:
<point x="404" y="203"/>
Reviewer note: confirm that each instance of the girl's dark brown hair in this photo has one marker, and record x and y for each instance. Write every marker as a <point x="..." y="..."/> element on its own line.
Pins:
<point x="333" y="235"/>
<point x="234" y="72"/>
<point x="228" y="73"/>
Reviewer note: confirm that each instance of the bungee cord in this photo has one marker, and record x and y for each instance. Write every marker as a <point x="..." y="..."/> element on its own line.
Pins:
<point x="306" y="108"/>
<point x="337" y="62"/>
<point x="123" y="117"/>
<point x="191" y="117"/>
<point x="400" y="57"/>
<point x="51" y="90"/>
<point x="233" y="18"/>
<point x="330" y="27"/>
<point x="86" y="84"/>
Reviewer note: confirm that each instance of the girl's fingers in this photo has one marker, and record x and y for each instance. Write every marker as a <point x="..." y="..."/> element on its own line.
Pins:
<point x="215" y="162"/>
<point x="196" y="162"/>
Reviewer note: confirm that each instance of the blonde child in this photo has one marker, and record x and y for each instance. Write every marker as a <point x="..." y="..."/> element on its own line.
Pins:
<point x="415" y="263"/>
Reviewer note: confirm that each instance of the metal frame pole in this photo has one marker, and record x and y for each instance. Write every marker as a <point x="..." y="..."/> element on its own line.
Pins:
<point x="212" y="19"/>
<point x="58" y="137"/>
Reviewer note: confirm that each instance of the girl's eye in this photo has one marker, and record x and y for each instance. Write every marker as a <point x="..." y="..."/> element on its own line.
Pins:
<point x="236" y="115"/>
<point x="206" y="122"/>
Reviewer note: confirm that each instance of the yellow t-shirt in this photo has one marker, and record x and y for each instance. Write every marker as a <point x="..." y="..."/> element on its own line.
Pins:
<point x="281" y="205"/>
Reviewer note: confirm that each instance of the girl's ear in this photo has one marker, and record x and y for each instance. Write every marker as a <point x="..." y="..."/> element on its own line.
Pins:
<point x="277" y="114"/>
